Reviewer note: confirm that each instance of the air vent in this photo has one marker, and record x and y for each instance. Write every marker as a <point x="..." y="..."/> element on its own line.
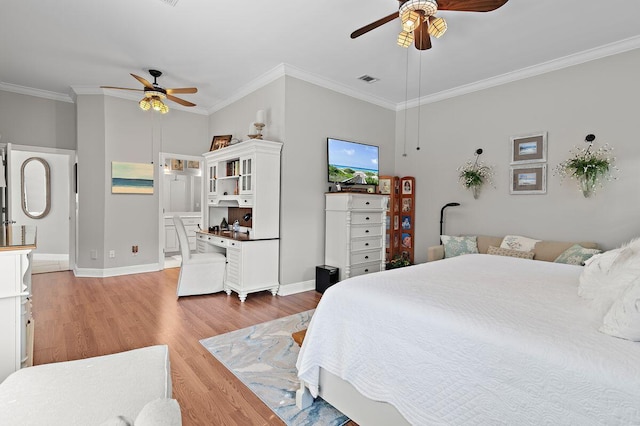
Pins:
<point x="367" y="79"/>
<point x="170" y="2"/>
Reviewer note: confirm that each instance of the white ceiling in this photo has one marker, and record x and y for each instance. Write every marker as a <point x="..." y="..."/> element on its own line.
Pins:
<point x="226" y="48"/>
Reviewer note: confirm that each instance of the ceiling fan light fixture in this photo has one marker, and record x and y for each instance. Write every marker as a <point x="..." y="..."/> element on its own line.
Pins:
<point x="410" y="20"/>
<point x="429" y="7"/>
<point x="405" y="38"/>
<point x="164" y="109"/>
<point x="156" y="103"/>
<point x="145" y="105"/>
<point x="437" y="26"/>
<point x="154" y="93"/>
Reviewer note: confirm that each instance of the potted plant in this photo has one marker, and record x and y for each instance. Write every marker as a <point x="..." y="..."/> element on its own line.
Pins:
<point x="399" y="261"/>
<point x="472" y="175"/>
<point x="589" y="167"/>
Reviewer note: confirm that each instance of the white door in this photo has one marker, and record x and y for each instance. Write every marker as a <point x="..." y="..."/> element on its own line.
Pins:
<point x="55" y="239"/>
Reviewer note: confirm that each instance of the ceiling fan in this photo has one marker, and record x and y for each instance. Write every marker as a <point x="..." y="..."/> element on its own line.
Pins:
<point x="419" y="20"/>
<point x="154" y="93"/>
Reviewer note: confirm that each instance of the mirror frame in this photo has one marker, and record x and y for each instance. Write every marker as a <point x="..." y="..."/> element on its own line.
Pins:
<point x="47" y="188"/>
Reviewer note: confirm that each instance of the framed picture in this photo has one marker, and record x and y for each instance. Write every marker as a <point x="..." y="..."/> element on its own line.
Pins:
<point x="406" y="204"/>
<point x="385" y="185"/>
<point x="220" y="142"/>
<point x="131" y="178"/>
<point x="529" y="179"/>
<point x="406" y="240"/>
<point x="406" y="222"/>
<point x="529" y="148"/>
<point x="191" y="164"/>
<point x="177" y="164"/>
<point x="407" y="188"/>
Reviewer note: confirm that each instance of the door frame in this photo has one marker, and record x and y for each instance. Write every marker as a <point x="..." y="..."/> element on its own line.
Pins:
<point x="73" y="195"/>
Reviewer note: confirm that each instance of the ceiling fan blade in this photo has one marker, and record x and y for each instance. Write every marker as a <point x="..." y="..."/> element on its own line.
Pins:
<point x="121" y="88"/>
<point x="421" y="34"/>
<point x="470" y="5"/>
<point x="374" y="25"/>
<point x="182" y="90"/>
<point x="180" y="101"/>
<point x="143" y="81"/>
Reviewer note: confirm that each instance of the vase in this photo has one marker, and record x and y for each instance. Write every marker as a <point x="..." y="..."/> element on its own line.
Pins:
<point x="475" y="190"/>
<point x="587" y="185"/>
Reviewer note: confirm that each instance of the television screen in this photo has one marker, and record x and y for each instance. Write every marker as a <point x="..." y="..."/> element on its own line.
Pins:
<point x="352" y="163"/>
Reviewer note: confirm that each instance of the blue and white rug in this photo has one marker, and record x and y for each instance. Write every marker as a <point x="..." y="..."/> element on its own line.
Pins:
<point x="264" y="358"/>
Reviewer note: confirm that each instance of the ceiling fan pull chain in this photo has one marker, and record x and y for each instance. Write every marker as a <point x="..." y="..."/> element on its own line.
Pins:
<point x="406" y="103"/>
<point x="419" y="97"/>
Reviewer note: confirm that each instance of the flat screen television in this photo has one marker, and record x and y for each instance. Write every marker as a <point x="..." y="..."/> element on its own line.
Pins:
<point x="352" y="163"/>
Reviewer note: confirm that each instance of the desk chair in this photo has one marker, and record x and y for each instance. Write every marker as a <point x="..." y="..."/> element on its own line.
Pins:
<point x="200" y="273"/>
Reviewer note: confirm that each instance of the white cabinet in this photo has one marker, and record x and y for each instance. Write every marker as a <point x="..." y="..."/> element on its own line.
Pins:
<point x="246" y="174"/>
<point x="16" y="324"/>
<point x="354" y="234"/>
<point x="252" y="265"/>
<point x="191" y="223"/>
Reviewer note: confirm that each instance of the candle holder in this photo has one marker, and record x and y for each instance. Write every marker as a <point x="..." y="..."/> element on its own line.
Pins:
<point x="259" y="127"/>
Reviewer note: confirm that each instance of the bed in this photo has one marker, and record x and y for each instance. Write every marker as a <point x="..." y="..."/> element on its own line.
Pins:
<point x="476" y="339"/>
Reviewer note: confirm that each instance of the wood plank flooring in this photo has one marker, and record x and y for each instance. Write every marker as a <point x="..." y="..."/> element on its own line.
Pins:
<point x="84" y="317"/>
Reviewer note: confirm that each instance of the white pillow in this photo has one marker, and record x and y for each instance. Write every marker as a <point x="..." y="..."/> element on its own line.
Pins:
<point x="623" y="319"/>
<point x="606" y="277"/>
<point x="516" y="242"/>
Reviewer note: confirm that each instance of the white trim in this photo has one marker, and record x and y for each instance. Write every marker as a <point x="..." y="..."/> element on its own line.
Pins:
<point x="38" y="93"/>
<point x="293" y="288"/>
<point x="114" y="272"/>
<point x="532" y="71"/>
<point x="56" y="257"/>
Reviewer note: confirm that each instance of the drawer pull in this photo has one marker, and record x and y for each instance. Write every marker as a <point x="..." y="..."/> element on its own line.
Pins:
<point x="233" y="244"/>
<point x="366" y="244"/>
<point x="367" y="218"/>
<point x="366" y="257"/>
<point x="366" y="231"/>
<point x="366" y="270"/>
<point x="367" y="203"/>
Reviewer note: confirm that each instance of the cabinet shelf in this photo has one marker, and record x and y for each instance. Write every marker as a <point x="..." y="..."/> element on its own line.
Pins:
<point x="228" y="177"/>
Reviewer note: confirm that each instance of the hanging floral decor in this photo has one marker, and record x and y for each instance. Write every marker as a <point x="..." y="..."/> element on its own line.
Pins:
<point x="589" y="167"/>
<point x="474" y="174"/>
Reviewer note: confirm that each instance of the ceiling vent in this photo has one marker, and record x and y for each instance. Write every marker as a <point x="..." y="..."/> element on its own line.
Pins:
<point x="170" y="2"/>
<point x="368" y="79"/>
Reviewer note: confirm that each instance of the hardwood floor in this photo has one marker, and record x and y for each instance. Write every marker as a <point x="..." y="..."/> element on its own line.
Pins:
<point x="84" y="317"/>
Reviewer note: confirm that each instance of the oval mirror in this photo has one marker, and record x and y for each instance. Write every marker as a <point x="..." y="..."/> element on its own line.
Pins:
<point x="35" y="188"/>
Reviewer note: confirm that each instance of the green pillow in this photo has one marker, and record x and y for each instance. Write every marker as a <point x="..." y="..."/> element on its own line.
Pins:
<point x="576" y="255"/>
<point x="456" y="246"/>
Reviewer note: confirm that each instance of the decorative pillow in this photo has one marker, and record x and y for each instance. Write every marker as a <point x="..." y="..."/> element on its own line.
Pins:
<point x="511" y="253"/>
<point x="606" y="277"/>
<point x="516" y="242"/>
<point x="456" y="246"/>
<point x="623" y="319"/>
<point x="576" y="255"/>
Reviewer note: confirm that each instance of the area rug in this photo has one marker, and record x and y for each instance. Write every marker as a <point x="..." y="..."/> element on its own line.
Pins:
<point x="264" y="358"/>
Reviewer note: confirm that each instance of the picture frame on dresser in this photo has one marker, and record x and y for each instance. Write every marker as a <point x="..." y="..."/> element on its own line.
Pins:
<point x="220" y="141"/>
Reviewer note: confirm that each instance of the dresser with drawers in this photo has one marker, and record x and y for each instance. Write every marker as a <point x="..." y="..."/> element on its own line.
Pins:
<point x="355" y="232"/>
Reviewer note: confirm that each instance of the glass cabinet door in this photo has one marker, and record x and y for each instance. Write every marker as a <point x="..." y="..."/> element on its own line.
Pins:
<point x="246" y="172"/>
<point x="213" y="175"/>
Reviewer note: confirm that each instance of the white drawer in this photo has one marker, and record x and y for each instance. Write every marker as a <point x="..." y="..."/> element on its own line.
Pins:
<point x="366" y="231"/>
<point x="212" y="239"/>
<point x="245" y="201"/>
<point x="365" y="218"/>
<point x="233" y="243"/>
<point x="366" y="244"/>
<point x="365" y="202"/>
<point x="365" y="256"/>
<point x="364" y="269"/>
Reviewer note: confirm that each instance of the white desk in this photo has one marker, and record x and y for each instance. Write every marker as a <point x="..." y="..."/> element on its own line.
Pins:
<point x="252" y="265"/>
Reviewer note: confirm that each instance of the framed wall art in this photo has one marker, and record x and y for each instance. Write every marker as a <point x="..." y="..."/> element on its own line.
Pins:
<point x="529" y="148"/>
<point x="528" y="179"/>
<point x="131" y="178"/>
<point x="220" y="142"/>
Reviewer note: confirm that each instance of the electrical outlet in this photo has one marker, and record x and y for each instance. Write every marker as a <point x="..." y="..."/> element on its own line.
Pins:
<point x="93" y="254"/>
<point x="134" y="250"/>
<point x="112" y="254"/>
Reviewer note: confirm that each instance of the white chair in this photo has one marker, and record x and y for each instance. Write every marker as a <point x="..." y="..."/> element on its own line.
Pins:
<point x="200" y="273"/>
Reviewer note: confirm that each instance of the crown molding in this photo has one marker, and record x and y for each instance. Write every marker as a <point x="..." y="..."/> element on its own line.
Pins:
<point x="14" y="88"/>
<point x="532" y="71"/>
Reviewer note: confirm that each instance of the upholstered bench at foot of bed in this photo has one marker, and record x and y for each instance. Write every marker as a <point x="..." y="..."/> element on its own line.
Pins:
<point x="88" y="391"/>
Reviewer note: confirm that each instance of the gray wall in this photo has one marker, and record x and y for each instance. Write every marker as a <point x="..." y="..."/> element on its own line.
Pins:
<point x="302" y="116"/>
<point x="599" y="97"/>
<point x="28" y="120"/>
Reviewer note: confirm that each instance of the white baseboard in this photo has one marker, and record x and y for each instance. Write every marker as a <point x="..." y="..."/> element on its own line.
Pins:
<point x="293" y="288"/>
<point x="114" y="272"/>
<point x="51" y="256"/>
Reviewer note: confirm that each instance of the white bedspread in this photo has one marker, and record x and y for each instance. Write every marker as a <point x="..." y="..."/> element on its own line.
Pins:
<point x="476" y="339"/>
